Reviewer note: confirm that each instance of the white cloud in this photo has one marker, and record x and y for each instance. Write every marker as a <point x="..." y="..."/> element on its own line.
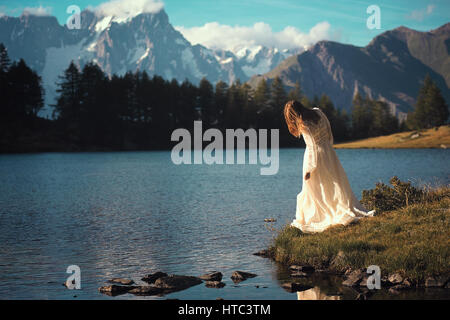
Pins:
<point x="127" y="9"/>
<point x="217" y="36"/>
<point x="421" y="14"/>
<point x="37" y="11"/>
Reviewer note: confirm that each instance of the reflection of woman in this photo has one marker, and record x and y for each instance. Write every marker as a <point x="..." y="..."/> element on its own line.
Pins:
<point x="326" y="198"/>
<point x="315" y="294"/>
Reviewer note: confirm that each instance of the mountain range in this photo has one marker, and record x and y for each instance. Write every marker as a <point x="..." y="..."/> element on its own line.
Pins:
<point x="390" y="68"/>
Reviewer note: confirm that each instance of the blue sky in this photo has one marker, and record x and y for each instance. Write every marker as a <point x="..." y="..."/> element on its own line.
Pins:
<point x="346" y="18"/>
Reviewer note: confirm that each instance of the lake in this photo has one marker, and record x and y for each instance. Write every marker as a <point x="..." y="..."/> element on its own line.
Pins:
<point x="127" y="214"/>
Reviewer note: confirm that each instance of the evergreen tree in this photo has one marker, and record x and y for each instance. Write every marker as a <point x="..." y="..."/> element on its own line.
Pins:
<point x="25" y="87"/>
<point x="431" y="109"/>
<point x="68" y="102"/>
<point x="278" y="95"/>
<point x="5" y="62"/>
<point x="295" y="93"/>
<point x="206" y="102"/>
<point x="220" y="101"/>
<point x="361" y="117"/>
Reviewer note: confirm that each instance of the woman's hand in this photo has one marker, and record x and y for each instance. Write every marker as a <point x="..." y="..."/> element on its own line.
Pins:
<point x="307" y="175"/>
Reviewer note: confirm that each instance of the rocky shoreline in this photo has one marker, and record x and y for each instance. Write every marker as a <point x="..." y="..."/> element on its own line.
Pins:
<point x="160" y="283"/>
<point x="355" y="278"/>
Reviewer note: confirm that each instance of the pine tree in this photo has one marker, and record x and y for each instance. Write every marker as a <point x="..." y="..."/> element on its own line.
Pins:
<point x="206" y="102"/>
<point x="278" y="95"/>
<point x="220" y="101"/>
<point x="361" y="117"/>
<point x="26" y="88"/>
<point x="69" y="99"/>
<point x="296" y="92"/>
<point x="431" y="109"/>
<point x="5" y="62"/>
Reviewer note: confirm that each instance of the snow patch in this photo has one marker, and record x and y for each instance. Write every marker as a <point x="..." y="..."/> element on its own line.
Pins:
<point x="188" y="61"/>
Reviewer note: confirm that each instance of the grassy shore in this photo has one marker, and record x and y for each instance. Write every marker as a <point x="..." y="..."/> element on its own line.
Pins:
<point x="413" y="240"/>
<point x="432" y="138"/>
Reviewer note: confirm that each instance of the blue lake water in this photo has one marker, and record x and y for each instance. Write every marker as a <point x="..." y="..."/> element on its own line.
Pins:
<point x="126" y="214"/>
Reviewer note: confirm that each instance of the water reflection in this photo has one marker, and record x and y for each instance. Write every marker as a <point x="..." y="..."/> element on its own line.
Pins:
<point x="315" y="294"/>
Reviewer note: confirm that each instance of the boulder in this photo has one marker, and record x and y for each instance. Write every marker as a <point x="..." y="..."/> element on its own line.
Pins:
<point x="214" y="284"/>
<point x="123" y="281"/>
<point x="305" y="268"/>
<point x="239" y="276"/>
<point x="395" y="278"/>
<point x="176" y="282"/>
<point x="151" y="278"/>
<point x="354" y="278"/>
<point x="294" y="287"/>
<point x="114" y="290"/>
<point x="213" y="276"/>
<point x="146" y="291"/>
<point x="338" y="261"/>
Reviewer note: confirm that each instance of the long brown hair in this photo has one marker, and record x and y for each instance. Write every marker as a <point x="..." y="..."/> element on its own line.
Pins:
<point x="295" y="113"/>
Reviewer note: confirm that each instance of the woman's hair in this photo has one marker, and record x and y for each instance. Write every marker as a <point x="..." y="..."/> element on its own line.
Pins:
<point x="295" y="113"/>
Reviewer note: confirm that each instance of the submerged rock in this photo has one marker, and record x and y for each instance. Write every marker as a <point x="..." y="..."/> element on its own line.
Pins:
<point x="146" y="291"/>
<point x="263" y="253"/>
<point x="151" y="278"/>
<point x="213" y="276"/>
<point x="214" y="284"/>
<point x="114" y="290"/>
<point x="123" y="281"/>
<point x="176" y="282"/>
<point x="305" y="268"/>
<point x="239" y="276"/>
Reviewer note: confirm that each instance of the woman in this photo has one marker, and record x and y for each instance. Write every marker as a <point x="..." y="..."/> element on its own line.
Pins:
<point x="326" y="198"/>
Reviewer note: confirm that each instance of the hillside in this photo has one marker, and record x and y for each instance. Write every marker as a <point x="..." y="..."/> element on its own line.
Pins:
<point x="430" y="138"/>
<point x="390" y="68"/>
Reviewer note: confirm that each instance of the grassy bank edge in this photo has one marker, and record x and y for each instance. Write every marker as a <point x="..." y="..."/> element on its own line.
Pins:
<point x="413" y="241"/>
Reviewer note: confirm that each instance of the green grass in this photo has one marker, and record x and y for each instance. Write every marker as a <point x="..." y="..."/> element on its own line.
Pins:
<point x="413" y="240"/>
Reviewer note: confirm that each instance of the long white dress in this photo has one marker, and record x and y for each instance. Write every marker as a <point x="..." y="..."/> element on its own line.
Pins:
<point x="326" y="198"/>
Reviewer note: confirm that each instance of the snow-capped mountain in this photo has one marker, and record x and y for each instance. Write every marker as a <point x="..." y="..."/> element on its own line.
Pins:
<point x="255" y="60"/>
<point x="146" y="41"/>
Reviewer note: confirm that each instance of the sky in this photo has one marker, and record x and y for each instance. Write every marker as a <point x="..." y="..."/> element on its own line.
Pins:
<point x="284" y="24"/>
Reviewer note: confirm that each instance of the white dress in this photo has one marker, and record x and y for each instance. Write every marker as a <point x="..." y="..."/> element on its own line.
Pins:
<point x="326" y="198"/>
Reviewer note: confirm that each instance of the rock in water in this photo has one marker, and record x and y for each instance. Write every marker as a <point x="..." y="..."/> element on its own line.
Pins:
<point x="114" y="290"/>
<point x="354" y="278"/>
<point x="262" y="253"/>
<point x="123" y="281"/>
<point x="151" y="278"/>
<point x="146" y="291"/>
<point x="213" y="276"/>
<point x="306" y="268"/>
<point x="214" y="284"/>
<point x="176" y="283"/>
<point x="239" y="276"/>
